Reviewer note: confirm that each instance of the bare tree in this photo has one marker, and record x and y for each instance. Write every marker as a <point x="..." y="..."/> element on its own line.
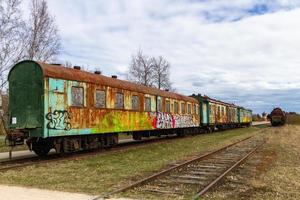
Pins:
<point x="11" y="37"/>
<point x="161" y="73"/>
<point x="150" y="71"/>
<point x="43" y="41"/>
<point x="140" y="70"/>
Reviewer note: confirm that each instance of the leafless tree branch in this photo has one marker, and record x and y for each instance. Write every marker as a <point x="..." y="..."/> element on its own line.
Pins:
<point x="43" y="41"/>
<point x="150" y="71"/>
<point x="141" y="69"/>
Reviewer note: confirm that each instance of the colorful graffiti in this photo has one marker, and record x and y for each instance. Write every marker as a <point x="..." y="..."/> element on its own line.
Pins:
<point x="59" y="120"/>
<point x="184" y="121"/>
<point x="165" y="120"/>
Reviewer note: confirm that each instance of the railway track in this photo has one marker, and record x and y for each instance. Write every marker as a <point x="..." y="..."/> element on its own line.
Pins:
<point x="195" y="177"/>
<point x="28" y="161"/>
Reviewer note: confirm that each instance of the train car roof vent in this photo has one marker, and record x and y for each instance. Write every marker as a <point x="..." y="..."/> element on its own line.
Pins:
<point x="97" y="72"/>
<point x="58" y="64"/>
<point x="114" y="76"/>
<point x="77" y="67"/>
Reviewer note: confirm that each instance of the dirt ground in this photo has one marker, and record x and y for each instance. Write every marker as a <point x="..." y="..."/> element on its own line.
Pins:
<point x="272" y="173"/>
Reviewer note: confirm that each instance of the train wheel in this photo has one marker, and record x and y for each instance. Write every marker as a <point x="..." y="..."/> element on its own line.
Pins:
<point x="41" y="147"/>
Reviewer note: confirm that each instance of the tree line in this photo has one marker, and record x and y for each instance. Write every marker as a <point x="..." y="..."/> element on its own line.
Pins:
<point x="37" y="38"/>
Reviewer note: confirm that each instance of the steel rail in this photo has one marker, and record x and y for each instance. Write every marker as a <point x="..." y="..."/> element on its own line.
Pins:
<point x="215" y="181"/>
<point x="147" y="179"/>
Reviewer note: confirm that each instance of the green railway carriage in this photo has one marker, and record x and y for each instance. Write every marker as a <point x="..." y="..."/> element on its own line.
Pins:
<point x="68" y="109"/>
<point x="216" y="114"/>
<point x="245" y="116"/>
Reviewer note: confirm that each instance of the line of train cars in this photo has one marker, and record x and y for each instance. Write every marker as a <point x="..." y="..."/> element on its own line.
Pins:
<point x="52" y="106"/>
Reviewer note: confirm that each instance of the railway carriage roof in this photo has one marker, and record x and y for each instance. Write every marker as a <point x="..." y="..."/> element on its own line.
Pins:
<point x="61" y="72"/>
<point x="224" y="103"/>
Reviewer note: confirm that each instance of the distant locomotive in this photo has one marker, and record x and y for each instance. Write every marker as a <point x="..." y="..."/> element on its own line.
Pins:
<point x="277" y="117"/>
<point x="52" y="106"/>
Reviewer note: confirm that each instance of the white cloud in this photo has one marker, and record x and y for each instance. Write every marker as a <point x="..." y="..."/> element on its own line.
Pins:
<point x="226" y="50"/>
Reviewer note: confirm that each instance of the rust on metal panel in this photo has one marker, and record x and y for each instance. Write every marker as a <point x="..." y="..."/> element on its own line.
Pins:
<point x="65" y="73"/>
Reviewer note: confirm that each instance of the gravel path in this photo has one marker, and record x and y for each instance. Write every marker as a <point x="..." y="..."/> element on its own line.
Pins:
<point x="14" y="192"/>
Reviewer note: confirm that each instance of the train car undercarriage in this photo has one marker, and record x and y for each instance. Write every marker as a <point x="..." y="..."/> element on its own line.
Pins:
<point x="67" y="144"/>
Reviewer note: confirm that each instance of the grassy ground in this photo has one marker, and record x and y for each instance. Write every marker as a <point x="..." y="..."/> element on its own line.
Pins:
<point x="108" y="171"/>
<point x="4" y="148"/>
<point x="293" y="119"/>
<point x="273" y="173"/>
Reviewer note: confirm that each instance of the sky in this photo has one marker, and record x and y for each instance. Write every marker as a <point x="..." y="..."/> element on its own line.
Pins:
<point x="239" y="51"/>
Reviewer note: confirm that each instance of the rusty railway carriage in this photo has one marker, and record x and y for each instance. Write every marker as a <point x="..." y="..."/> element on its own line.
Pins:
<point x="51" y="106"/>
<point x="277" y="117"/>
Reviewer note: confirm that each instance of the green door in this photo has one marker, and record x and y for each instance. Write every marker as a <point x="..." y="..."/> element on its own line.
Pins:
<point x="26" y="96"/>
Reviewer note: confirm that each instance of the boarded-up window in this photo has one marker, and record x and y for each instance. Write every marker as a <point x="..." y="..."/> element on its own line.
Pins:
<point x="135" y="101"/>
<point x="159" y="105"/>
<point x="168" y="106"/>
<point x="176" y="107"/>
<point x="189" y="108"/>
<point x="119" y="101"/>
<point x="77" y="96"/>
<point x="147" y="104"/>
<point x="182" y="108"/>
<point x="100" y="99"/>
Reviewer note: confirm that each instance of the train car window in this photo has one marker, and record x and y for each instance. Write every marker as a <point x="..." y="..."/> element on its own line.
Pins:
<point x="119" y="100"/>
<point x="222" y="110"/>
<point x="147" y="104"/>
<point x="159" y="105"/>
<point x="100" y="97"/>
<point x="189" y="108"/>
<point x="168" y="106"/>
<point x="77" y="96"/>
<point x="176" y="107"/>
<point x="195" y="109"/>
<point x="135" y="101"/>
<point x="182" y="108"/>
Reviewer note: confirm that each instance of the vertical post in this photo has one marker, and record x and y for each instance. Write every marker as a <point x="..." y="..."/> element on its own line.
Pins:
<point x="10" y="153"/>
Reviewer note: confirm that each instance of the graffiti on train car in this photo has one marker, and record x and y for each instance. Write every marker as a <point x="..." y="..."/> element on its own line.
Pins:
<point x="184" y="121"/>
<point x="106" y="121"/>
<point x="166" y="120"/>
<point x="59" y="120"/>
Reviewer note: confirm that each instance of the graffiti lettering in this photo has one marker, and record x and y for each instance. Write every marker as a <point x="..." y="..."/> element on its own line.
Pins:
<point x="184" y="121"/>
<point x="59" y="120"/>
<point x="164" y="120"/>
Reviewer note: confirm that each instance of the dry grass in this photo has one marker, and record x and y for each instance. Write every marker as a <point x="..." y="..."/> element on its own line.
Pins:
<point x="4" y="148"/>
<point x="273" y="173"/>
<point x="293" y="119"/>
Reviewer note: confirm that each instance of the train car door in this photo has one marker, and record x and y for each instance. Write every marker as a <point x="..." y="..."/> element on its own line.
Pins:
<point x="56" y="115"/>
<point x="204" y="113"/>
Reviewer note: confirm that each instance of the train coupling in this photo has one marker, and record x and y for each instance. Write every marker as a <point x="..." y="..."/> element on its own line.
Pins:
<point x="14" y="138"/>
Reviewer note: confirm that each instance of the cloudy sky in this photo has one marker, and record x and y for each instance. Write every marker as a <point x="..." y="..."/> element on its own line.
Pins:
<point x="240" y="51"/>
